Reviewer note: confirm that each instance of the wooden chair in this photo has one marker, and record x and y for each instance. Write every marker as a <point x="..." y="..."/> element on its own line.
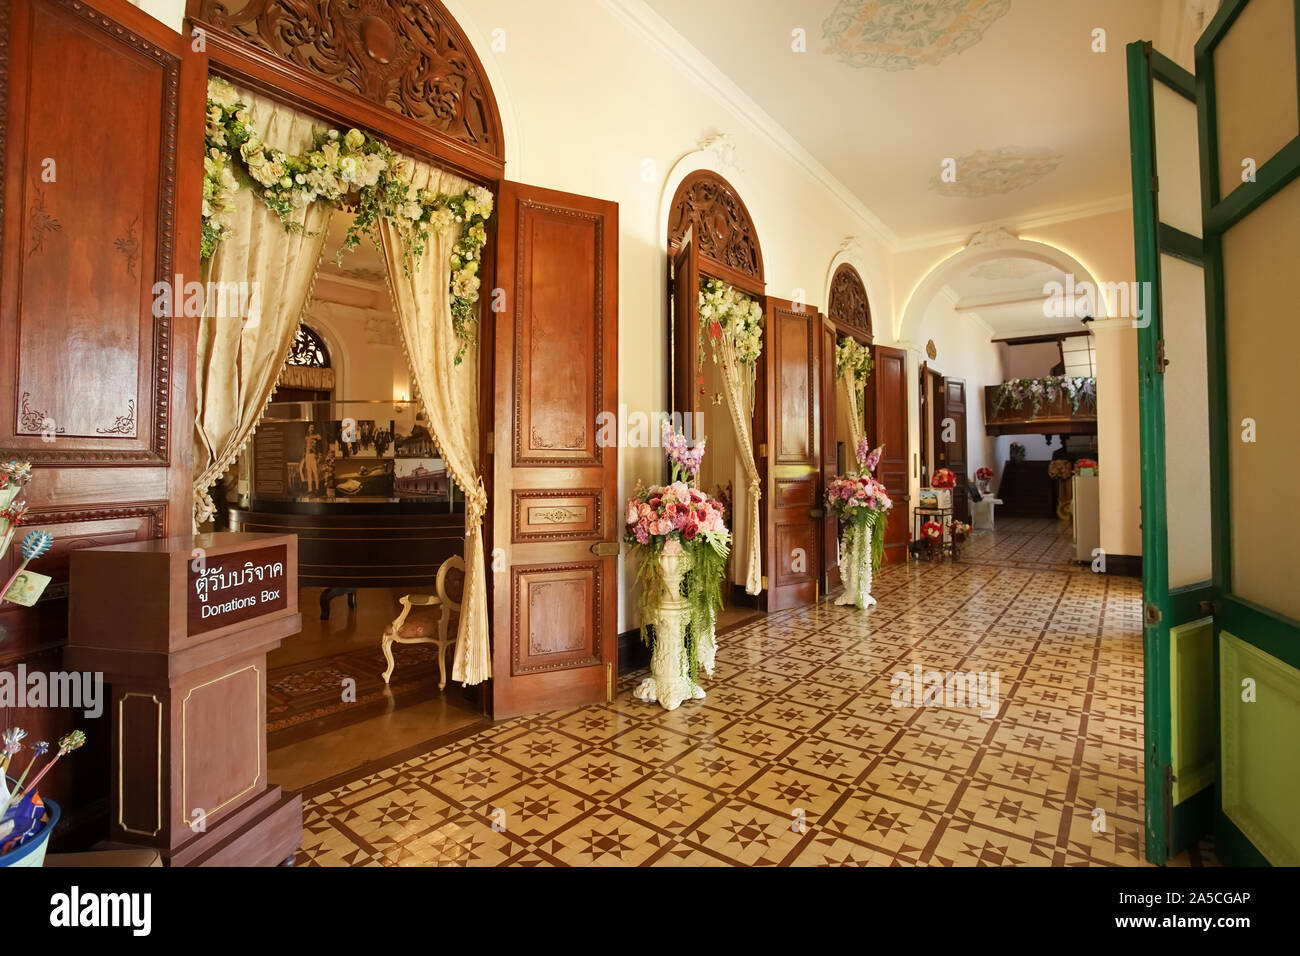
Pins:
<point x="425" y="617"/>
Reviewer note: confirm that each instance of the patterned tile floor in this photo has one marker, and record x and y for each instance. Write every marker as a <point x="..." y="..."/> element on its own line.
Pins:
<point x="798" y="756"/>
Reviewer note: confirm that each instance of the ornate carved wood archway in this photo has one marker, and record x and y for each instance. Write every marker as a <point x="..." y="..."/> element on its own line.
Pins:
<point x="848" y="307"/>
<point x="723" y="230"/>
<point x="408" y="57"/>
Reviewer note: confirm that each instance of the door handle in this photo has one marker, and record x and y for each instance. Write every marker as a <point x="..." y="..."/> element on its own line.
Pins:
<point x="606" y="549"/>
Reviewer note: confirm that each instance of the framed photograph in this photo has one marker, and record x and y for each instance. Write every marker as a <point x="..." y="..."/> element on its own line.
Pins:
<point x="363" y="478"/>
<point x="424" y="478"/>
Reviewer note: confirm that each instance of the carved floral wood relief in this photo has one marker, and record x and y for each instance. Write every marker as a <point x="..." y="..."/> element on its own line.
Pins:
<point x="848" y="303"/>
<point x="407" y="55"/>
<point x="723" y="229"/>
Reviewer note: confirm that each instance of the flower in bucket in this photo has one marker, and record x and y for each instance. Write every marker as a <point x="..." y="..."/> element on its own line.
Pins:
<point x="960" y="530"/>
<point x="984" y="473"/>
<point x="943" y="478"/>
<point x="932" y="531"/>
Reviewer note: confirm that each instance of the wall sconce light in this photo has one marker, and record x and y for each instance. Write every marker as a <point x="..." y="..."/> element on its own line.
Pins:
<point x="399" y="403"/>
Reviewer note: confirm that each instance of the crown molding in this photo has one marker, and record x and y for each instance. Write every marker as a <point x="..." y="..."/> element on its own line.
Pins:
<point x="1019" y="225"/>
<point x="696" y="66"/>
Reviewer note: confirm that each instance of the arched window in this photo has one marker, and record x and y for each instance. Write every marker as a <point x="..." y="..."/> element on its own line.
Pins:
<point x="309" y="349"/>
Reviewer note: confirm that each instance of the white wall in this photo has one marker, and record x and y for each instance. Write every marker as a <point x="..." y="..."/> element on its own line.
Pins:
<point x="963" y="349"/>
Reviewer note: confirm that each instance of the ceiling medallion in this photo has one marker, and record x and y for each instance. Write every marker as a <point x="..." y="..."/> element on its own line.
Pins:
<point x="992" y="172"/>
<point x="931" y="351"/>
<point x="904" y="34"/>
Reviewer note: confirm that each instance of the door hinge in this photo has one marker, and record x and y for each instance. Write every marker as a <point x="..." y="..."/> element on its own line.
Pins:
<point x="1210" y="609"/>
<point x="609" y="682"/>
<point x="1151" y="615"/>
<point x="762" y="450"/>
<point x="1161" y="361"/>
<point x="763" y="584"/>
<point x="1155" y="183"/>
<point x="491" y="443"/>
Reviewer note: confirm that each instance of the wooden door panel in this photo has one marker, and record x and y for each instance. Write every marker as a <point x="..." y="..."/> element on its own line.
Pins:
<point x="684" y="347"/>
<point x="793" y="364"/>
<point x="830" y="463"/>
<point x="101" y="173"/>
<point x="955" y="451"/>
<point x="555" y="492"/>
<point x="891" y="430"/>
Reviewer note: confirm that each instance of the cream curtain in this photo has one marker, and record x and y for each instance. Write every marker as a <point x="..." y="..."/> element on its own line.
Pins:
<point x="738" y="388"/>
<point x="449" y="393"/>
<point x="852" y="391"/>
<point x="240" y="357"/>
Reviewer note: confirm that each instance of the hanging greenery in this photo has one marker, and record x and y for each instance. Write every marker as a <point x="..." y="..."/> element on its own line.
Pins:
<point x="353" y="167"/>
<point x="1018" y="392"/>
<point x="850" y="356"/>
<point x="724" y="309"/>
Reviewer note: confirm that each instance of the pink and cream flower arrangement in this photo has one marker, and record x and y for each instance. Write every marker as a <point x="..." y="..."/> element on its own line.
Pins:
<point x="677" y="511"/>
<point x="859" y="500"/>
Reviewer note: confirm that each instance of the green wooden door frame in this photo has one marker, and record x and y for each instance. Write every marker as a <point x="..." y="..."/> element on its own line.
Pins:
<point x="1271" y="632"/>
<point x="1169" y="828"/>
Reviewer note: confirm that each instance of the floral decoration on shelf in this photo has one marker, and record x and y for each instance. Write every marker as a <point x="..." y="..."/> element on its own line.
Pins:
<point x="860" y="501"/>
<point x="353" y="167"/>
<point x="1060" y="468"/>
<point x="679" y="522"/>
<point x="1086" y="463"/>
<point x="25" y="816"/>
<point x="851" y="356"/>
<point x="1035" y="392"/>
<point x="723" y="308"/>
<point x="23" y="586"/>
<point x="984" y="473"/>
<point x="943" y="478"/>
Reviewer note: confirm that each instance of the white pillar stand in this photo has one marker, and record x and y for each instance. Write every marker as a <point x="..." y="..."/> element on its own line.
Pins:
<point x="669" y="683"/>
<point x="856" y="543"/>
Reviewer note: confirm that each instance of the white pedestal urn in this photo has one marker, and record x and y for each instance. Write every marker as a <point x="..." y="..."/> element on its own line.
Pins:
<point x="670" y="681"/>
<point x="855" y="565"/>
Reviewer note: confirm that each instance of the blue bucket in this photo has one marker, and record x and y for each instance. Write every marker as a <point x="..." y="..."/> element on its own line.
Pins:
<point x="32" y="853"/>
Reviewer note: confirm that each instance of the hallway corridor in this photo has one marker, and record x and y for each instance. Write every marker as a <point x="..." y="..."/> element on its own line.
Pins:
<point x="798" y="756"/>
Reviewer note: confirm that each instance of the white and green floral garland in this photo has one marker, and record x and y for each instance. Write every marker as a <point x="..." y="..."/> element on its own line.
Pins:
<point x="338" y="167"/>
<point x="854" y="357"/>
<point x="723" y="308"/>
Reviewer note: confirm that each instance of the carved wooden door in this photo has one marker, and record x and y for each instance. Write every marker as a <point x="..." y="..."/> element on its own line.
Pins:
<point x="794" y="514"/>
<point x="954" y="454"/>
<point x="100" y="187"/>
<point x="830" y="457"/>
<point x="556" y="514"/>
<point x="684" y="347"/>
<point x="891" y="430"/>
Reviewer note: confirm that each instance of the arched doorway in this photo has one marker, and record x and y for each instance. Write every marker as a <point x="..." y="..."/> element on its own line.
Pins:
<point x="712" y="244"/>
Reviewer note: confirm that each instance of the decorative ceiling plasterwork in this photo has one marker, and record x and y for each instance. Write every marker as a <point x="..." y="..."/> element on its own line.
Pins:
<point x="407" y="55"/>
<point x="723" y="149"/>
<point x="993" y="172"/>
<point x="896" y="35"/>
<point x="723" y="228"/>
<point x="991" y="236"/>
<point x="848" y="300"/>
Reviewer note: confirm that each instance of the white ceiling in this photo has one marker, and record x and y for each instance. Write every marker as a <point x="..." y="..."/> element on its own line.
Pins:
<point x="1036" y="122"/>
<point x="1007" y="294"/>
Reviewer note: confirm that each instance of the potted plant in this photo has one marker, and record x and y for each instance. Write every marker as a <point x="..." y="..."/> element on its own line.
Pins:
<point x="983" y="478"/>
<point x="943" y="481"/>
<point x="684" y="542"/>
<point x="1086" y="467"/>
<point x="861" y="503"/>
